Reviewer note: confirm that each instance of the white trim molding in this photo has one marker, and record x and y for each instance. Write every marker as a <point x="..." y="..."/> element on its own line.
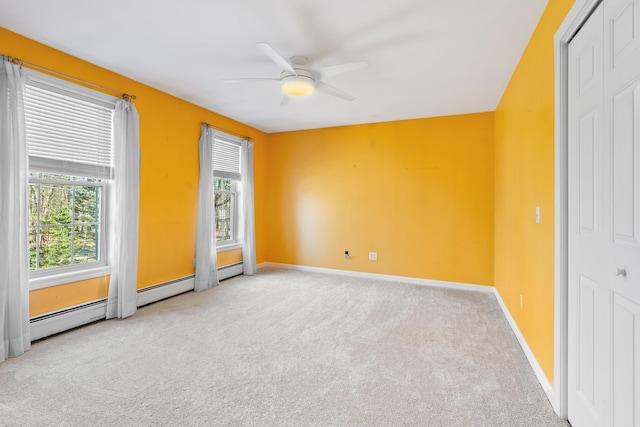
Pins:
<point x="75" y="275"/>
<point x="52" y="323"/>
<point x="574" y="20"/>
<point x="230" y="270"/>
<point x="376" y="276"/>
<point x="537" y="369"/>
<point x="165" y="290"/>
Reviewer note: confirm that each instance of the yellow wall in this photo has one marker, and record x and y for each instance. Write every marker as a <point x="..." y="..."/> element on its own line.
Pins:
<point x="524" y="179"/>
<point x="67" y="295"/>
<point x="169" y="133"/>
<point x="229" y="257"/>
<point x="418" y="192"/>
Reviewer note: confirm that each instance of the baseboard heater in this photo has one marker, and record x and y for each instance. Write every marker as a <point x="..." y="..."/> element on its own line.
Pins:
<point x="55" y="322"/>
<point x="62" y="320"/>
<point x="230" y="270"/>
<point x="58" y="321"/>
<point x="164" y="290"/>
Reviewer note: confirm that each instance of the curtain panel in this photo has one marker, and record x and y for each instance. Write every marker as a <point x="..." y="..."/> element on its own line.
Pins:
<point x="206" y="255"/>
<point x="123" y="247"/>
<point x="14" y="213"/>
<point x="248" y="227"/>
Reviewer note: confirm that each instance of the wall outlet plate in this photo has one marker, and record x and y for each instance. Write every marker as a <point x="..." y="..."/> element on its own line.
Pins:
<point x="373" y="256"/>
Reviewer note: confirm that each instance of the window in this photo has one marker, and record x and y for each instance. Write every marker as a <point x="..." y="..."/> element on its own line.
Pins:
<point x="226" y="179"/>
<point x="225" y="207"/>
<point x="70" y="146"/>
<point x="65" y="221"/>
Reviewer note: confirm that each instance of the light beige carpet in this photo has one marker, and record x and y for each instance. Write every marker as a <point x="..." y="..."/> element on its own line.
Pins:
<point x="284" y="348"/>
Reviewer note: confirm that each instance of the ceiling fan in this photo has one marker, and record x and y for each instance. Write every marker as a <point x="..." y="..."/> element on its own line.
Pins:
<point x="297" y="79"/>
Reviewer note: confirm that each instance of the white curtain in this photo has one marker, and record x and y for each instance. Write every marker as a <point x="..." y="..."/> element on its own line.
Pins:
<point x="248" y="217"/>
<point x="206" y="255"/>
<point x="122" y="300"/>
<point x="14" y="253"/>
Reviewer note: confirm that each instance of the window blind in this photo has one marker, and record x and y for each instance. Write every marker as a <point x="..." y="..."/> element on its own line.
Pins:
<point x="68" y="133"/>
<point x="226" y="159"/>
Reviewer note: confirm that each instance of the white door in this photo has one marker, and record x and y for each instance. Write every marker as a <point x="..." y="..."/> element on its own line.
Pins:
<point x="604" y="218"/>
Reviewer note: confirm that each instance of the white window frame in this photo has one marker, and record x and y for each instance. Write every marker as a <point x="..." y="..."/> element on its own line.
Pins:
<point x="39" y="279"/>
<point x="43" y="277"/>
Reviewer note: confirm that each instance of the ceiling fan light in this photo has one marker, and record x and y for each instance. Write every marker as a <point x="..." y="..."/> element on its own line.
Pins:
<point x="298" y="86"/>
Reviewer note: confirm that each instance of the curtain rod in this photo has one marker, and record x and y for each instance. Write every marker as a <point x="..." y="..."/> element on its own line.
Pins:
<point x="227" y="131"/>
<point x="20" y="62"/>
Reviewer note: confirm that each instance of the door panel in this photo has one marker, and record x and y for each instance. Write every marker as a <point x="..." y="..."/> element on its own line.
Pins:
<point x="604" y="218"/>
<point x="589" y="176"/>
<point x="623" y="23"/>
<point x="586" y="226"/>
<point x="626" y="350"/>
<point x="625" y="107"/>
<point x="588" y="69"/>
<point x="585" y="381"/>
<point x="622" y="100"/>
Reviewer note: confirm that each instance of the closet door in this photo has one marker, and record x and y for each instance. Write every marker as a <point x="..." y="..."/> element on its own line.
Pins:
<point x="588" y="311"/>
<point x="622" y="108"/>
<point x="604" y="218"/>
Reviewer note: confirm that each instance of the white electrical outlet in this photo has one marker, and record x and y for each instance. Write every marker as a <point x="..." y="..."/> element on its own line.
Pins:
<point x="537" y="214"/>
<point x="373" y="256"/>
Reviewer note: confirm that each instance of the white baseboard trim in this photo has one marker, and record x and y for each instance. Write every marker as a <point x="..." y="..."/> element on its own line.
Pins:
<point x="55" y="322"/>
<point x="165" y="290"/>
<point x="542" y="378"/>
<point x="376" y="276"/>
<point x="230" y="271"/>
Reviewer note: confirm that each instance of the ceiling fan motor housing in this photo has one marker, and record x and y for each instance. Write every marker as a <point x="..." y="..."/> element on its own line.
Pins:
<point x="300" y="84"/>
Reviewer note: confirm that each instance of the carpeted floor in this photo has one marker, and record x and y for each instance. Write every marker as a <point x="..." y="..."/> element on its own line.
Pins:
<point x="284" y="348"/>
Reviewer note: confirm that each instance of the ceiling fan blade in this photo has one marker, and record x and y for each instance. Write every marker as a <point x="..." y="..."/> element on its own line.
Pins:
<point x="326" y="72"/>
<point x="276" y="57"/>
<point x="286" y="99"/>
<point x="330" y="90"/>
<point x="250" y="79"/>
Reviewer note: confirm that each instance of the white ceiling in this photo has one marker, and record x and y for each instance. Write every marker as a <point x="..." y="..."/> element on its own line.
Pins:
<point x="426" y="58"/>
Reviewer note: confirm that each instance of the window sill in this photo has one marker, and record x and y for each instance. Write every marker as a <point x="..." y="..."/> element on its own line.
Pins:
<point x="67" y="277"/>
<point x="228" y="247"/>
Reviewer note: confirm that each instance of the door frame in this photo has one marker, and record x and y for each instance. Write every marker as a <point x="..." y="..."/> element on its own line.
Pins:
<point x="574" y="20"/>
